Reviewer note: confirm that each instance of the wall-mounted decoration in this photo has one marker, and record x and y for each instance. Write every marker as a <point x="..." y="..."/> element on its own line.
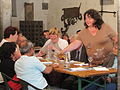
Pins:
<point x="70" y="17"/>
<point x="29" y="11"/>
<point x="103" y="2"/>
<point x="106" y="2"/>
<point x="44" y="6"/>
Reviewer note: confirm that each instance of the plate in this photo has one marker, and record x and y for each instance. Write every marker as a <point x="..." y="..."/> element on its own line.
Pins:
<point x="47" y="63"/>
<point x="39" y="57"/>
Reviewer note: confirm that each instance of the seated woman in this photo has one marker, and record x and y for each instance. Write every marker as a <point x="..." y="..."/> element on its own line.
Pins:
<point x="9" y="53"/>
<point x="54" y="44"/>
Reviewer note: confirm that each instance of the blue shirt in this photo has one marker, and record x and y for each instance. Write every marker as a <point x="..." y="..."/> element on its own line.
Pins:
<point x="30" y="69"/>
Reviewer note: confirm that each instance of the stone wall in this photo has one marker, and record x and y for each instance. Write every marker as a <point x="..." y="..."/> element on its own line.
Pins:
<point x="5" y="15"/>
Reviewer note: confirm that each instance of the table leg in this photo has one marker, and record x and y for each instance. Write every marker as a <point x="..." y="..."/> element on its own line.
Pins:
<point x="105" y="83"/>
<point x="79" y="83"/>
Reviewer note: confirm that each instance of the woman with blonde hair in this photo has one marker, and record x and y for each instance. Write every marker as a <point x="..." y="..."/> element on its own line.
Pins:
<point x="54" y="44"/>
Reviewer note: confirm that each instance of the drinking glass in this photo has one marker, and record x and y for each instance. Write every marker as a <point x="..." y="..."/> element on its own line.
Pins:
<point x="55" y="58"/>
<point x="90" y="59"/>
<point x="66" y="61"/>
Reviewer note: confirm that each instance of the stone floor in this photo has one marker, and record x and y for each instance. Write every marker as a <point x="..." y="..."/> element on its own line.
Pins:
<point x="54" y="88"/>
<point x="49" y="88"/>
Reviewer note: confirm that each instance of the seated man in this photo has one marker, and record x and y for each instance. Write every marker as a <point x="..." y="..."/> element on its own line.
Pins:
<point x="78" y="54"/>
<point x="22" y="40"/>
<point x="30" y="68"/>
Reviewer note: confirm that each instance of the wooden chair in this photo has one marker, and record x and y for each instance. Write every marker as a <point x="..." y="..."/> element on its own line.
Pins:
<point x="6" y="79"/>
<point x="26" y="84"/>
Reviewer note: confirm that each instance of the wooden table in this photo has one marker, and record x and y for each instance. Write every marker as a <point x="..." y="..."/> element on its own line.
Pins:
<point x="82" y="75"/>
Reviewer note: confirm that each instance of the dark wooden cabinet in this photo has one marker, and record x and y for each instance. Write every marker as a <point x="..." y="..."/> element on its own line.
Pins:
<point x="32" y="30"/>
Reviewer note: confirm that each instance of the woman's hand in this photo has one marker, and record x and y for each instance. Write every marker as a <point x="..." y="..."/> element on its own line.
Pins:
<point x="41" y="53"/>
<point x="61" y="52"/>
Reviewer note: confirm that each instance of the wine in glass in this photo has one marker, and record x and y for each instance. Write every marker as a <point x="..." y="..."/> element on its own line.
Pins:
<point x="90" y="59"/>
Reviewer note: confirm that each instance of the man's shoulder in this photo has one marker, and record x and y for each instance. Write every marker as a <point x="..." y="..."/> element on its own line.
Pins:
<point x="27" y="59"/>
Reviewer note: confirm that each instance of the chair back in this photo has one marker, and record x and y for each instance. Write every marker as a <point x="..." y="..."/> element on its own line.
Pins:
<point x="6" y="79"/>
<point x="25" y="85"/>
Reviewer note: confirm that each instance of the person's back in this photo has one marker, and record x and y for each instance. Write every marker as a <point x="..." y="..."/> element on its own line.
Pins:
<point x="31" y="71"/>
<point x="29" y="68"/>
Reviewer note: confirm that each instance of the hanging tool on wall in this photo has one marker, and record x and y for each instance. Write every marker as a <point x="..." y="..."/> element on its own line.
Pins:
<point x="70" y="17"/>
<point x="103" y="11"/>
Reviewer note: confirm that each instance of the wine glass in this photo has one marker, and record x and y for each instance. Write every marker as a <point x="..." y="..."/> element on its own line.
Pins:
<point x="55" y="58"/>
<point x="90" y="59"/>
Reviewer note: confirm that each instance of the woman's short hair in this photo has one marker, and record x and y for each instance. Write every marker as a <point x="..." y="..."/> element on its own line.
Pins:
<point x="54" y="31"/>
<point x="96" y="16"/>
<point x="26" y="48"/>
<point x="10" y="30"/>
<point x="7" y="49"/>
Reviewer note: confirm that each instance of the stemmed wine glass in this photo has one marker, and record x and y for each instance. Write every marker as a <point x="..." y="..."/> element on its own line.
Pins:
<point x="90" y="59"/>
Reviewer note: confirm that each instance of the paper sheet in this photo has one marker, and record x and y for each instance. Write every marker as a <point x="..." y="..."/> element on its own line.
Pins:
<point x="77" y="69"/>
<point x="47" y="63"/>
<point x="100" y="68"/>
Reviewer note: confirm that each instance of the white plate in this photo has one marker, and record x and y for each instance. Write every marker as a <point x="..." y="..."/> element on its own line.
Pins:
<point x="47" y="63"/>
<point x="39" y="57"/>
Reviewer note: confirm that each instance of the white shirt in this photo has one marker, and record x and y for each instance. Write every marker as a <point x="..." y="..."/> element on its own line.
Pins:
<point x="61" y="43"/>
<point x="30" y="69"/>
